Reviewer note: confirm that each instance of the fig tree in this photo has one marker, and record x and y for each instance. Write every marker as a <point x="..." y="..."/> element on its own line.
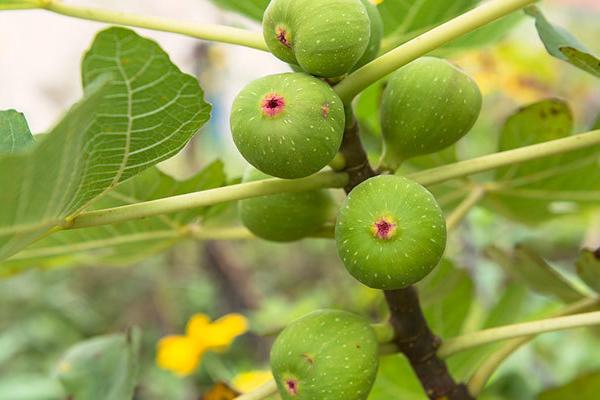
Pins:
<point x="390" y="232"/>
<point x="427" y="106"/>
<point x="325" y="38"/>
<point x="288" y="125"/>
<point x="325" y="355"/>
<point x="287" y="216"/>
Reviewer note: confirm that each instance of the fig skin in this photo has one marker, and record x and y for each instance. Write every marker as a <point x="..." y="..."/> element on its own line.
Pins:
<point x="325" y="355"/>
<point x="288" y="125"/>
<point x="376" y="35"/>
<point x="325" y="38"/>
<point x="390" y="232"/>
<point x="284" y="217"/>
<point x="427" y="106"/>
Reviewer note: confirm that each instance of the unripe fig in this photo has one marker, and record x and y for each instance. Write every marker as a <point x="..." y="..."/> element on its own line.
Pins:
<point x="287" y="216"/>
<point x="325" y="38"/>
<point x="427" y="106"/>
<point x="288" y="125"/>
<point x="375" y="37"/>
<point x="390" y="232"/>
<point x="325" y="355"/>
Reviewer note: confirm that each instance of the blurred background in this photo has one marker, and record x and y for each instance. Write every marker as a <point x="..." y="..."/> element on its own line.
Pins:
<point x="44" y="312"/>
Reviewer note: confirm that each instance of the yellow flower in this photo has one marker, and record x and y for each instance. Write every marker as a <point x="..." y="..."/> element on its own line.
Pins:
<point x="182" y="354"/>
<point x="248" y="381"/>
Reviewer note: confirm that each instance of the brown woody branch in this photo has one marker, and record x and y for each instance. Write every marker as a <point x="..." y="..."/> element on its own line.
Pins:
<point x="413" y="337"/>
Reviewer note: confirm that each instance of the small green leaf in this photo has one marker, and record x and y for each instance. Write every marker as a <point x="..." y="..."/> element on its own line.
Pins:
<point x="253" y="9"/>
<point x="101" y="368"/>
<point x="396" y="380"/>
<point x="585" y="387"/>
<point x="14" y="132"/>
<point x="125" y="243"/>
<point x="562" y="45"/>
<point x="539" y="190"/>
<point x="139" y="109"/>
<point x="527" y="267"/>
<point x="588" y="268"/>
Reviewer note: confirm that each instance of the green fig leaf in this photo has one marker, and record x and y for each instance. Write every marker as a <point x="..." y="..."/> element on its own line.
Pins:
<point x="527" y="267"/>
<point x="30" y="387"/>
<point x="588" y="268"/>
<point x="253" y="9"/>
<point x="539" y="190"/>
<point x="396" y="380"/>
<point x="584" y="387"/>
<point x="563" y="45"/>
<point x="139" y="109"/>
<point x="103" y="367"/>
<point x="14" y="132"/>
<point x="124" y="243"/>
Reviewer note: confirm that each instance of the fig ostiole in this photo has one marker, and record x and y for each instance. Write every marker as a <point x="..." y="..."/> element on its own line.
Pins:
<point x="427" y="106"/>
<point x="325" y="38"/>
<point x="390" y="232"/>
<point x="287" y="216"/>
<point x="325" y="355"/>
<point x="288" y="125"/>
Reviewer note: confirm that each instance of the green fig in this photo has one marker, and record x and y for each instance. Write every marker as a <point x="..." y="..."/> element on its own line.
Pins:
<point x="325" y="38"/>
<point x="325" y="355"/>
<point x="390" y="232"/>
<point x="287" y="216"/>
<point x="375" y="37"/>
<point x="427" y="106"/>
<point x="288" y="125"/>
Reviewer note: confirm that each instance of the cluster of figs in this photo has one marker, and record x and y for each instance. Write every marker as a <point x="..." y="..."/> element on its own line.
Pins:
<point x="390" y="231"/>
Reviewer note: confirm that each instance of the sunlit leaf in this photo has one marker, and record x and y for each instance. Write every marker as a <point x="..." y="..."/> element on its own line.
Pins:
<point x="102" y="368"/>
<point x="139" y="109"/>
<point x="396" y="380"/>
<point x="538" y="190"/>
<point x="563" y="45"/>
<point x="127" y="242"/>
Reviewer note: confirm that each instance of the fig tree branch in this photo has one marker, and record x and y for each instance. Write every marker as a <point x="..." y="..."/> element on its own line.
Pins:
<point x="206" y="198"/>
<point x="509" y="157"/>
<point x="491" y="364"/>
<point x="479" y="338"/>
<point x="488" y="12"/>
<point x="217" y="33"/>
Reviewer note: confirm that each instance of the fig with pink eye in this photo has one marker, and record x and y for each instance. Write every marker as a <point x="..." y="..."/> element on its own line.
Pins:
<point x="390" y="232"/>
<point x="288" y="125"/>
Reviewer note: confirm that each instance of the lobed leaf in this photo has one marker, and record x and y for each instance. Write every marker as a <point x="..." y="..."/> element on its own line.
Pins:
<point x="124" y="243"/>
<point x="138" y="109"/>
<point x="563" y="45"/>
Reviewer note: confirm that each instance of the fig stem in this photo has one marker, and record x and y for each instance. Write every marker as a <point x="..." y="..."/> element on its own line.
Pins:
<point x="504" y="158"/>
<point x="262" y="392"/>
<point x="217" y="33"/>
<point x="482" y="15"/>
<point x="206" y="198"/>
<point x="461" y="211"/>
<point x="491" y="364"/>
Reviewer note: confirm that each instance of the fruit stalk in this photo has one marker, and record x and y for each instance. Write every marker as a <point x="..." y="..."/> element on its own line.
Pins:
<point x="411" y="332"/>
<point x="423" y="44"/>
<point x="217" y="33"/>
